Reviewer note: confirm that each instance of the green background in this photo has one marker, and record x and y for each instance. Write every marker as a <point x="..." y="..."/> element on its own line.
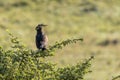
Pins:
<point x="96" y="21"/>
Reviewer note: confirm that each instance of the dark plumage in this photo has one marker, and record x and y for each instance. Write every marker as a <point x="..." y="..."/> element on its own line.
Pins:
<point x="41" y="38"/>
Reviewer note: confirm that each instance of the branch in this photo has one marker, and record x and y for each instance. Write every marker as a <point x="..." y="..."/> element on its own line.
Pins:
<point x="60" y="45"/>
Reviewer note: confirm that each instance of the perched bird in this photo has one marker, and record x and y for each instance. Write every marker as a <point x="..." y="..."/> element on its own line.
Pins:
<point x="41" y="38"/>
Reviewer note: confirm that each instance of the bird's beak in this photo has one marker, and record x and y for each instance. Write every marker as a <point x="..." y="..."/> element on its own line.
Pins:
<point x="44" y="25"/>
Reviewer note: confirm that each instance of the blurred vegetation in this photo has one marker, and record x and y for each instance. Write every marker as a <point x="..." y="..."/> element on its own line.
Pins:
<point x="97" y="21"/>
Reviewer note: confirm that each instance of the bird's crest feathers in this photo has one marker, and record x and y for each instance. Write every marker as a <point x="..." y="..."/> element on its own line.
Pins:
<point x="39" y="26"/>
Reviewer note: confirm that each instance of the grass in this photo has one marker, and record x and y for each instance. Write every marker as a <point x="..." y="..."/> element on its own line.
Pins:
<point x="93" y="20"/>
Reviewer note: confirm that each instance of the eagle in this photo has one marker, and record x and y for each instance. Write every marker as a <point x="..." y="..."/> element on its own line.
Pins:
<point x="41" y="38"/>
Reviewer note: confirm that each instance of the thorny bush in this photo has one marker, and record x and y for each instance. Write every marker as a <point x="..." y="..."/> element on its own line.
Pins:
<point x="21" y="63"/>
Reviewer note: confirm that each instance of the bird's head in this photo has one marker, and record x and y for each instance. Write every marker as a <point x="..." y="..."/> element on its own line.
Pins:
<point x="39" y="27"/>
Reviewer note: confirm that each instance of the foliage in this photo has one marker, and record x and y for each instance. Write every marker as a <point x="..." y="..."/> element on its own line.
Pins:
<point x="117" y="77"/>
<point x="74" y="72"/>
<point x="59" y="45"/>
<point x="20" y="63"/>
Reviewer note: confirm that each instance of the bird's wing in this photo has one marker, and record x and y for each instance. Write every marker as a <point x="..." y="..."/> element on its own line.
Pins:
<point x="38" y="43"/>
